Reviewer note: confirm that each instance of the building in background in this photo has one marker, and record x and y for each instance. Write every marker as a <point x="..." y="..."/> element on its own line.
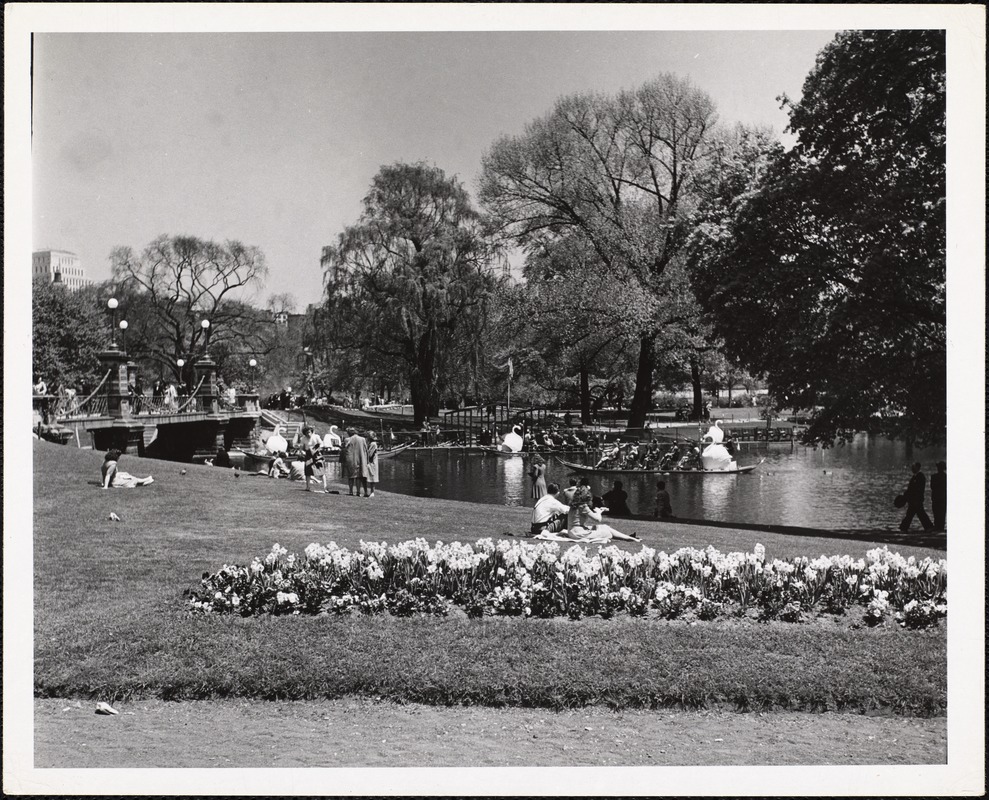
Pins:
<point x="58" y="266"/>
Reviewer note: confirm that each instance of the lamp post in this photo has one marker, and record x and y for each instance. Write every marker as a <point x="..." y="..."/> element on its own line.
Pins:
<point x="123" y="334"/>
<point x="205" y="326"/>
<point x="308" y="386"/>
<point x="253" y="364"/>
<point x="112" y="305"/>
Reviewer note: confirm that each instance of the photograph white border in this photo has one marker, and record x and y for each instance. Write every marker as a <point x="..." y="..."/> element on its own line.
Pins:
<point x="964" y="772"/>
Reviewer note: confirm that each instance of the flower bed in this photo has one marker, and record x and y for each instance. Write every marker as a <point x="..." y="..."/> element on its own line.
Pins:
<point x="537" y="579"/>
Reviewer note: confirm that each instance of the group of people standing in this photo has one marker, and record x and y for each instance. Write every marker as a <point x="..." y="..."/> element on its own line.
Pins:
<point x="913" y="499"/>
<point x="358" y="458"/>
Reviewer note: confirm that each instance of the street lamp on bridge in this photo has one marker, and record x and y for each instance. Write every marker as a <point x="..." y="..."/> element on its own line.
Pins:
<point x="123" y="334"/>
<point x="112" y="305"/>
<point x="205" y="326"/>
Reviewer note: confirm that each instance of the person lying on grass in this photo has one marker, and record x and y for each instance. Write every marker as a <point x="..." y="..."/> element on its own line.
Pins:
<point x="549" y="514"/>
<point x="112" y="476"/>
<point x="588" y="527"/>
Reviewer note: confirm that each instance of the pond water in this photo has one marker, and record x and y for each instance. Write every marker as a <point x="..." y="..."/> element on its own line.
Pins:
<point x="850" y="486"/>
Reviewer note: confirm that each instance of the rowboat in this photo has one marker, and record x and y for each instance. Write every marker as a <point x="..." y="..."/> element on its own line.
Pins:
<point x="610" y="471"/>
<point x="253" y="462"/>
<point x="394" y="451"/>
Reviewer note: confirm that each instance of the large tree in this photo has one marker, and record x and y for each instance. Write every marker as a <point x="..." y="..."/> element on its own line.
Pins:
<point x="577" y="325"/>
<point x="68" y="332"/>
<point x="175" y="283"/>
<point x="410" y="283"/>
<point x="830" y="278"/>
<point x="617" y="170"/>
<point x="739" y="159"/>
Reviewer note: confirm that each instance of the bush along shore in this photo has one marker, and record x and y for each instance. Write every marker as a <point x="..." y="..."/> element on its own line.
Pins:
<point x="538" y="580"/>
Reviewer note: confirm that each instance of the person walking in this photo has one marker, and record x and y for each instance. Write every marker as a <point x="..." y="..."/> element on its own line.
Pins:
<point x="372" y="461"/>
<point x="939" y="496"/>
<point x="311" y="445"/>
<point x="914" y="495"/>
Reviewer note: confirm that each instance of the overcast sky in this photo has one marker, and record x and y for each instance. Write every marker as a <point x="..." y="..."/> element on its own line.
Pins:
<point x="273" y="139"/>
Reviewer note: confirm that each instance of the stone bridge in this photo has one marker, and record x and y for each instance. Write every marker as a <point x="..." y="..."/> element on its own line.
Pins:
<point x="190" y="429"/>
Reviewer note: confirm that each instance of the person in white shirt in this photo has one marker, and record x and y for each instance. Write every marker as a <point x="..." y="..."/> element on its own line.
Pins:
<point x="548" y="514"/>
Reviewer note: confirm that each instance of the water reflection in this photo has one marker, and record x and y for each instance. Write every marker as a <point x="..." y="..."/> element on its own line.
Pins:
<point x="843" y="487"/>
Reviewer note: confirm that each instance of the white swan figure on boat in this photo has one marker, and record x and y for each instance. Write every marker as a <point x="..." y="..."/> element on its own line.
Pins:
<point x="716" y="456"/>
<point x="717" y="435"/>
<point x="276" y="442"/>
<point x="332" y="438"/>
<point x="512" y="441"/>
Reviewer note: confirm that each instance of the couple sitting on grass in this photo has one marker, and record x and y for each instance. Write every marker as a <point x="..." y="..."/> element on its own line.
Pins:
<point x="578" y="522"/>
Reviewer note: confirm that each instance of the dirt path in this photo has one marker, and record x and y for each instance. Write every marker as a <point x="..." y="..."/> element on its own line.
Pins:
<point x="365" y="733"/>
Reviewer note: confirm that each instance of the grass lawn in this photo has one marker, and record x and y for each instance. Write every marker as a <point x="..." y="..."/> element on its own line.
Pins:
<point x="111" y="623"/>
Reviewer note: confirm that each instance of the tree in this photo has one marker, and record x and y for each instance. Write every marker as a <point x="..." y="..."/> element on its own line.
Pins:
<point x="830" y="278"/>
<point x="68" y="332"/>
<point x="579" y="338"/>
<point x="620" y="171"/>
<point x="411" y="280"/>
<point x="739" y="159"/>
<point x="178" y="281"/>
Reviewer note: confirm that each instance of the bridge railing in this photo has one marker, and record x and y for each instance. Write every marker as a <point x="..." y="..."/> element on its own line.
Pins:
<point x="93" y="405"/>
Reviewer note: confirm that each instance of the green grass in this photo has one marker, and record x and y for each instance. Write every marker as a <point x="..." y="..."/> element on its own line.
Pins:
<point x="110" y="619"/>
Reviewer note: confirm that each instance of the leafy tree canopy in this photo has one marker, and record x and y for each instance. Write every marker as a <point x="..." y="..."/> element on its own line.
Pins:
<point x="619" y="171"/>
<point x="830" y="278"/>
<point x="69" y="330"/>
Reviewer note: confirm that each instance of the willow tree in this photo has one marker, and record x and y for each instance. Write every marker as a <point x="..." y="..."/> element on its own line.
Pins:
<point x="410" y="282"/>
<point x="619" y="171"/>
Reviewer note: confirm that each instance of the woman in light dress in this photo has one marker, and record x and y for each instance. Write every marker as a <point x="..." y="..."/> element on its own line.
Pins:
<point x="115" y="478"/>
<point x="372" y="462"/>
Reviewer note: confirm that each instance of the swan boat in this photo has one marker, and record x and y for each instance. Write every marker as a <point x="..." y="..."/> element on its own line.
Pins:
<point x="654" y="471"/>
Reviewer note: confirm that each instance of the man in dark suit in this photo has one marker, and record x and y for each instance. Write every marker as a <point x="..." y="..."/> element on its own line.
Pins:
<point x="915" y="500"/>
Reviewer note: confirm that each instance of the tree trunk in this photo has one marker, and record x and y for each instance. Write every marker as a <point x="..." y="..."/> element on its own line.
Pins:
<point x="585" y="395"/>
<point x="695" y="383"/>
<point x="642" y="399"/>
<point x="422" y="380"/>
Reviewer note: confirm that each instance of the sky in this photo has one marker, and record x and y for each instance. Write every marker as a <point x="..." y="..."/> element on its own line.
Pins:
<point x="272" y="139"/>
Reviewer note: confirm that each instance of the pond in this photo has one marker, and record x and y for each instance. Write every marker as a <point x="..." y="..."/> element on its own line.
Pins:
<point x="850" y="486"/>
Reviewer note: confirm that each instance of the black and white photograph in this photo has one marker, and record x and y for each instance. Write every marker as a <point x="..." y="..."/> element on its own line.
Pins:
<point x="496" y="399"/>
